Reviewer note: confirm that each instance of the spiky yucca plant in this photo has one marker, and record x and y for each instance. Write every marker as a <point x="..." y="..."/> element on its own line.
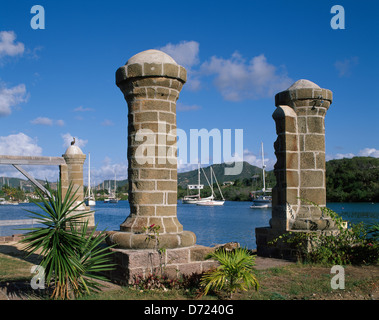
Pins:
<point x="234" y="273"/>
<point x="70" y="255"/>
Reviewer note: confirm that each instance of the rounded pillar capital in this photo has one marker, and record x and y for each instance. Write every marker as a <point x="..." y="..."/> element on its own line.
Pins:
<point x="74" y="154"/>
<point x="151" y="63"/>
<point x="303" y="90"/>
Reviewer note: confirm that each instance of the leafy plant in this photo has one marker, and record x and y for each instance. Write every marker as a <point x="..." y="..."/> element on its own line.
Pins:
<point x="152" y="234"/>
<point x="349" y="244"/>
<point x="71" y="254"/>
<point x="373" y="232"/>
<point x="155" y="282"/>
<point x="234" y="273"/>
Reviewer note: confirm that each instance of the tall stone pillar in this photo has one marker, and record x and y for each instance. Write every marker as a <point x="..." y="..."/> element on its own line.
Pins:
<point x="300" y="166"/>
<point x="151" y="82"/>
<point x="72" y="172"/>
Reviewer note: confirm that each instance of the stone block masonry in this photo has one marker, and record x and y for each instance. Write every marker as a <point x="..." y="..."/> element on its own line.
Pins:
<point x="72" y="173"/>
<point x="172" y="263"/>
<point x="300" y="167"/>
<point x="151" y="82"/>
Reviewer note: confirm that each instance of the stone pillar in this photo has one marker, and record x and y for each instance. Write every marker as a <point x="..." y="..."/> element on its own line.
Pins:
<point x="300" y="166"/>
<point x="300" y="151"/>
<point x="63" y="176"/>
<point x="72" y="172"/>
<point x="151" y="82"/>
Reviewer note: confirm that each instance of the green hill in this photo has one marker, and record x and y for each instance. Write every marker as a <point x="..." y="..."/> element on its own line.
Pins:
<point x="353" y="180"/>
<point x="248" y="171"/>
<point x="248" y="180"/>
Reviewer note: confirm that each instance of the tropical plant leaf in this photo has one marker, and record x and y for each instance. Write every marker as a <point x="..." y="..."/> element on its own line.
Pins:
<point x="70" y="253"/>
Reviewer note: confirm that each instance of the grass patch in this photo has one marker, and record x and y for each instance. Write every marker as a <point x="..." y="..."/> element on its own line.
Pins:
<point x="295" y="281"/>
<point x="14" y="269"/>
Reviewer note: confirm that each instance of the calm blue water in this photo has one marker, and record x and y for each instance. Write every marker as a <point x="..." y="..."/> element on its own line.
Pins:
<point x="234" y="221"/>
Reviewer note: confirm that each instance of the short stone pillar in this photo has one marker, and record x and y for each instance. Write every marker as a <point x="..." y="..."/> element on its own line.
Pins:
<point x="151" y="82"/>
<point x="300" y="166"/>
<point x="72" y="172"/>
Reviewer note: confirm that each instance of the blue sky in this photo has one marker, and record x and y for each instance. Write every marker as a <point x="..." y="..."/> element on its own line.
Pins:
<point x="59" y="82"/>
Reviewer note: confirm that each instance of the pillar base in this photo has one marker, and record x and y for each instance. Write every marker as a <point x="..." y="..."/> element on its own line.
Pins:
<point x="129" y="240"/>
<point x="281" y="250"/>
<point x="172" y="263"/>
<point x="314" y="224"/>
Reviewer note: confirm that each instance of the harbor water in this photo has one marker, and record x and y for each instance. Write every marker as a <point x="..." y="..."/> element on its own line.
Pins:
<point x="234" y="221"/>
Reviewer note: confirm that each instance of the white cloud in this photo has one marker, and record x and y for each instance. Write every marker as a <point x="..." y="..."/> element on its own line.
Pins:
<point x="19" y="145"/>
<point x="47" y="121"/>
<point x="107" y="123"/>
<point x="59" y="123"/>
<point x="8" y="46"/>
<point x="68" y="138"/>
<point x="237" y="79"/>
<point x="22" y="145"/>
<point x="369" y="152"/>
<point x="255" y="160"/>
<point x="82" y="109"/>
<point x="107" y="171"/>
<point x="183" y="166"/>
<point x="185" y="53"/>
<point x="43" y="121"/>
<point x="10" y="97"/>
<point x="339" y="156"/>
<point x="344" y="67"/>
<point x="366" y="152"/>
<point x="49" y="173"/>
<point x="182" y="107"/>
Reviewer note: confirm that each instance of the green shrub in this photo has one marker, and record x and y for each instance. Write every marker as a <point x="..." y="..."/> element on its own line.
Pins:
<point x="234" y="273"/>
<point x="355" y="244"/>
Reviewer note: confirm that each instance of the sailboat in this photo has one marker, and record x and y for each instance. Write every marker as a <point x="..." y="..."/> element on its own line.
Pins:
<point x="210" y="201"/>
<point x="89" y="198"/>
<point x="112" y="197"/>
<point x="194" y="198"/>
<point x="262" y="201"/>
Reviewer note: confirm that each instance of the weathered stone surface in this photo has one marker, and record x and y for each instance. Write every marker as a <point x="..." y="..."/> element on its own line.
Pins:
<point x="300" y="167"/>
<point x="151" y="82"/>
<point x="173" y="263"/>
<point x="311" y="179"/>
<point x="198" y="253"/>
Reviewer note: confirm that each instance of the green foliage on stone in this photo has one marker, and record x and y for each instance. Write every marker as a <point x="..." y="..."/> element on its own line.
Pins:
<point x="354" y="244"/>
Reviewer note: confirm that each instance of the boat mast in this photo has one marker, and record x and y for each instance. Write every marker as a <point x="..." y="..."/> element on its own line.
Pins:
<point x="219" y="189"/>
<point x="115" y="185"/>
<point x="213" y="194"/>
<point x="89" y="176"/>
<point x="198" y="178"/>
<point x="263" y="169"/>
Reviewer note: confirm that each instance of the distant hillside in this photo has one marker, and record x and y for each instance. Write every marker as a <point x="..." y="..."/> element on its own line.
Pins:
<point x="353" y="180"/>
<point x="347" y="180"/>
<point x="106" y="183"/>
<point x="248" y="171"/>
<point x="26" y="184"/>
